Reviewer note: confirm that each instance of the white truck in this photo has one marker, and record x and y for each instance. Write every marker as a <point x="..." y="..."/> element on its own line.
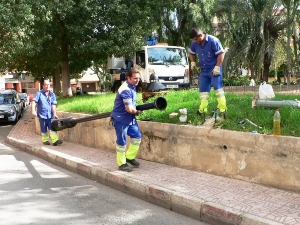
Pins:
<point x="170" y="64"/>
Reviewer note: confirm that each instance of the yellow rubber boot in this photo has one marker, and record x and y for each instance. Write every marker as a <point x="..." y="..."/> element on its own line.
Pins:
<point x="203" y="102"/>
<point x="121" y="156"/>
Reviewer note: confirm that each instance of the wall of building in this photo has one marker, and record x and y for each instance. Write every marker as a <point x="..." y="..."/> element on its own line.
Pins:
<point x="88" y="82"/>
<point x="20" y="83"/>
<point x="263" y="159"/>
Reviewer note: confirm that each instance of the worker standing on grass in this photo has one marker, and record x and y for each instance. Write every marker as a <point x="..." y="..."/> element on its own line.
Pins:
<point x="125" y="123"/>
<point x="45" y="100"/>
<point x="211" y="55"/>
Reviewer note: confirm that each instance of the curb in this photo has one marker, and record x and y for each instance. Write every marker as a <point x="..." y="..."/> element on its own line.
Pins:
<point x="196" y="208"/>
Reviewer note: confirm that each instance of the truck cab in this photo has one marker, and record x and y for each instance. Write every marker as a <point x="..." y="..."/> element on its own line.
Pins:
<point x="170" y="64"/>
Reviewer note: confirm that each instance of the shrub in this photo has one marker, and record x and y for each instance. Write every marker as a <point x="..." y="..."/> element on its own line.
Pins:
<point x="280" y="73"/>
<point x="236" y="81"/>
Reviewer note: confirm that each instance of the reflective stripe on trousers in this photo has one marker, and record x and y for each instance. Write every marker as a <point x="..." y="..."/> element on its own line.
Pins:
<point x="121" y="156"/>
<point x="45" y="137"/>
<point x="203" y="101"/>
<point x="53" y="135"/>
<point x="133" y="148"/>
<point x="131" y="153"/>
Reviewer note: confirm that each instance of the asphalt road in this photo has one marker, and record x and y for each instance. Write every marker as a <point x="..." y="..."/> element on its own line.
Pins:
<point x="34" y="191"/>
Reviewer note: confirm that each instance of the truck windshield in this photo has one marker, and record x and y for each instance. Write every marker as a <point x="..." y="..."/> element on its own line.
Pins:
<point x="167" y="56"/>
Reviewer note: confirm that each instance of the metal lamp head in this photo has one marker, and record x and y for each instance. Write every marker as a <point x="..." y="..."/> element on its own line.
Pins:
<point x="154" y="85"/>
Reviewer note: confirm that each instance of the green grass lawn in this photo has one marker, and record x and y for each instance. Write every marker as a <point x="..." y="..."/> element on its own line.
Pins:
<point x="239" y="108"/>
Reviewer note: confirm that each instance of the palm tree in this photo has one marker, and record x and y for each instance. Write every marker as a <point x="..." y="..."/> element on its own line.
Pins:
<point x="273" y="25"/>
<point x="291" y="11"/>
<point x="254" y="32"/>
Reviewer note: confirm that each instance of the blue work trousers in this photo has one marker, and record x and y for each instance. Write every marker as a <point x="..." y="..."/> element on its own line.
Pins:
<point x="207" y="80"/>
<point x="122" y="130"/>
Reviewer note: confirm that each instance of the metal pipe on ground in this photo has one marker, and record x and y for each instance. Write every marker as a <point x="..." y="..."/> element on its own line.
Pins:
<point x="273" y="103"/>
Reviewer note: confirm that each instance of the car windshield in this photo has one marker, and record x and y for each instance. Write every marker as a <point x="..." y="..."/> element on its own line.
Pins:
<point x="6" y="99"/>
<point x="167" y="56"/>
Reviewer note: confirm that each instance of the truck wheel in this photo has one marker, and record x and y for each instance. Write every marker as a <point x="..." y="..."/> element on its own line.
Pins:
<point x="139" y="87"/>
<point x="118" y="84"/>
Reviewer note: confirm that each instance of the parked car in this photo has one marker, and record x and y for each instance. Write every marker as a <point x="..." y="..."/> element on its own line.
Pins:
<point x="10" y="106"/>
<point x="27" y="102"/>
<point x="23" y="99"/>
<point x="78" y="91"/>
<point x="31" y="93"/>
<point x="30" y="97"/>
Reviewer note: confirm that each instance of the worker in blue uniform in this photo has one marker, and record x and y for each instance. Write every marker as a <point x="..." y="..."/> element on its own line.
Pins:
<point x="44" y="107"/>
<point x="211" y="55"/>
<point x="124" y="120"/>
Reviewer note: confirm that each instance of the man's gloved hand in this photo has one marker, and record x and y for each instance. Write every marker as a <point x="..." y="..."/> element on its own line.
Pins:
<point x="216" y="71"/>
<point x="138" y="112"/>
<point x="193" y="65"/>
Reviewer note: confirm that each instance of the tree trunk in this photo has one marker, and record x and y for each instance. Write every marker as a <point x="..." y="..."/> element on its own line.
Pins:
<point x="56" y="81"/>
<point x="67" y="91"/>
<point x="65" y="71"/>
<point x="252" y="68"/>
<point x="288" y="49"/>
<point x="296" y="42"/>
<point x="267" y="63"/>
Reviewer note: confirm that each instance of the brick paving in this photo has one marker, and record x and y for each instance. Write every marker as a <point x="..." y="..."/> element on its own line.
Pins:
<point x="210" y="198"/>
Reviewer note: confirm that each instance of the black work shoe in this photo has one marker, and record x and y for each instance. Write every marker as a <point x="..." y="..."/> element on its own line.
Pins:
<point x="199" y="113"/>
<point x="133" y="162"/>
<point x="46" y="143"/>
<point x="125" y="168"/>
<point x="224" y="115"/>
<point x="58" y="142"/>
<point x="221" y="115"/>
<point x="202" y="116"/>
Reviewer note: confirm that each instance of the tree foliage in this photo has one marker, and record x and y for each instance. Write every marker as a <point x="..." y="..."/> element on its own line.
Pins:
<point x="255" y="27"/>
<point x="62" y="38"/>
<point x="70" y="34"/>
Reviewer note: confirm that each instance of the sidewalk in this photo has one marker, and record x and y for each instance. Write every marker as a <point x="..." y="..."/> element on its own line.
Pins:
<point x="209" y="198"/>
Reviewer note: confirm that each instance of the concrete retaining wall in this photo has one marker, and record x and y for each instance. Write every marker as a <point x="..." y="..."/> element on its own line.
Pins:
<point x="263" y="159"/>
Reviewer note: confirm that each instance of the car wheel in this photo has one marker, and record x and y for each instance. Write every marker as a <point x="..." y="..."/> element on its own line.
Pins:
<point x="16" y="118"/>
<point x="21" y="113"/>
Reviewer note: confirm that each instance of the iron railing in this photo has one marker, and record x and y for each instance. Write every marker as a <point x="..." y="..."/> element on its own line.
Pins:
<point x="295" y="88"/>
